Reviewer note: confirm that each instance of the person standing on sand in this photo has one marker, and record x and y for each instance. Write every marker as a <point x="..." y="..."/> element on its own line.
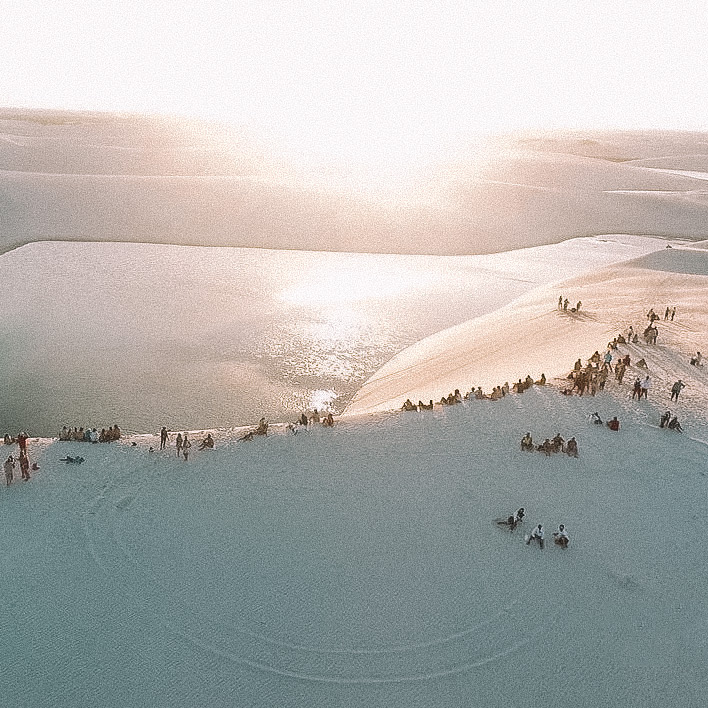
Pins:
<point x="673" y="313"/>
<point x="163" y="438"/>
<point x="185" y="447"/>
<point x="637" y="389"/>
<point x="560" y="302"/>
<point x="22" y="442"/>
<point x="646" y="385"/>
<point x="676" y="389"/>
<point x="25" y="467"/>
<point x="9" y="468"/>
<point x="179" y="444"/>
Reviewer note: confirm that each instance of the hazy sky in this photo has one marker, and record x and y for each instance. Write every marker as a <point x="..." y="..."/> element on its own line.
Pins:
<point x="357" y="78"/>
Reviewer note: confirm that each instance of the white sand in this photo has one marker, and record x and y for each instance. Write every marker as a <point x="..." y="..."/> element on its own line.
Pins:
<point x="360" y="566"/>
<point x="73" y="176"/>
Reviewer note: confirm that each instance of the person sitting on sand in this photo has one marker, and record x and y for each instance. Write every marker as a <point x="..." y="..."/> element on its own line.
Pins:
<point x="542" y="380"/>
<point x="571" y="448"/>
<point x="558" y="443"/>
<point x="315" y="417"/>
<point x="408" y="405"/>
<point x="675" y="425"/>
<point x="546" y="447"/>
<point x="560" y="537"/>
<point x="64" y="435"/>
<point x="302" y="420"/>
<point x="328" y="421"/>
<point x="262" y="427"/>
<point x="527" y="443"/>
<point x="664" y="420"/>
<point x="613" y="424"/>
<point x="696" y="360"/>
<point x="536" y="535"/>
<point x="578" y="365"/>
<point x="595" y="418"/>
<point x="425" y="407"/>
<point x="207" y="443"/>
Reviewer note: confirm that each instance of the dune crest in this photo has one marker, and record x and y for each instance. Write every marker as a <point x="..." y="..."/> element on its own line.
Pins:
<point x="531" y="336"/>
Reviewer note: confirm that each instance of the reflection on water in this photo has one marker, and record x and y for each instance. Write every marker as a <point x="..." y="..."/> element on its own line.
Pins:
<point x="195" y="337"/>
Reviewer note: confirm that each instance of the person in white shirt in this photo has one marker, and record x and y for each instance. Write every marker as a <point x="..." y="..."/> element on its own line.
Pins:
<point x="536" y="535"/>
<point x="560" y="537"/>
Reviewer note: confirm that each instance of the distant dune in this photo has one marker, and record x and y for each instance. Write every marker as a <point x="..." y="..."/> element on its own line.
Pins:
<point x="102" y="177"/>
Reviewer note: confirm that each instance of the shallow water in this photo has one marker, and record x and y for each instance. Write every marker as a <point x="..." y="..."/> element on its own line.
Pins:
<point x="193" y="337"/>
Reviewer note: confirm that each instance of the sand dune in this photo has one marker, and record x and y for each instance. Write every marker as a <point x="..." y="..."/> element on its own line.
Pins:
<point x="530" y="336"/>
<point x="74" y="176"/>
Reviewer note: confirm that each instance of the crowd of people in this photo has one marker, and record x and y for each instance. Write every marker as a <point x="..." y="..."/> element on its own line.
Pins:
<point x="537" y="534"/>
<point x="563" y="305"/>
<point x="90" y="434"/>
<point x="551" y="446"/>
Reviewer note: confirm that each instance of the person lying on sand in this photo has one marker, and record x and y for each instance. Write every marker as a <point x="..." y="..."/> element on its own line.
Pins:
<point x="513" y="520"/>
<point x="425" y="406"/>
<point x="71" y="460"/>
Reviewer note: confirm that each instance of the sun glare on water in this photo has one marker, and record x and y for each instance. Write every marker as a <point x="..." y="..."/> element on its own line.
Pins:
<point x="354" y="285"/>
